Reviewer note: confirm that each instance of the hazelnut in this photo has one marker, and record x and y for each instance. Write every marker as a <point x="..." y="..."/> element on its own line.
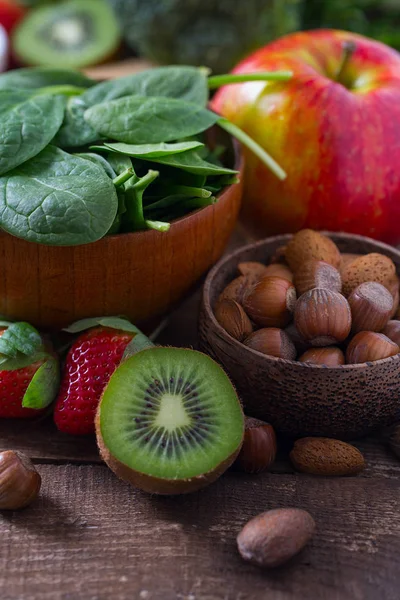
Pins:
<point x="370" y="267"/>
<point x="317" y="274"/>
<point x="394" y="439"/>
<point x="259" y="446"/>
<point x="19" y="481"/>
<point x="322" y="317"/>
<point x="270" y="302"/>
<point x="231" y="316"/>
<point x="254" y="270"/>
<point x="392" y="331"/>
<point x="235" y="290"/>
<point x="371" y="305"/>
<point x="309" y="245"/>
<point x="393" y="287"/>
<point x="368" y="346"/>
<point x="275" y="536"/>
<point x="273" y="342"/>
<point x="330" y="357"/>
<point x="278" y="270"/>
<point x="300" y="344"/>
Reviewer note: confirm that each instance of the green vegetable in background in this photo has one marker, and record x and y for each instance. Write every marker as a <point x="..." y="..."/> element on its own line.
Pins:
<point x="215" y="33"/>
<point x="119" y="130"/>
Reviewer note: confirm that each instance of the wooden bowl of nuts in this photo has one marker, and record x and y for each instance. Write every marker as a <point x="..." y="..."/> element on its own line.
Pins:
<point x="306" y="326"/>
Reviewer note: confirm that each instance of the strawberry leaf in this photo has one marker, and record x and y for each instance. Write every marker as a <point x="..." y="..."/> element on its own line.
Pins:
<point x="20" y="338"/>
<point x="137" y="344"/>
<point x="112" y="322"/>
<point x="44" y="385"/>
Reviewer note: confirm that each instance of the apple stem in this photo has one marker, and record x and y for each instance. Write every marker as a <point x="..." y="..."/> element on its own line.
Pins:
<point x="246" y="140"/>
<point x="217" y="81"/>
<point x="348" y="49"/>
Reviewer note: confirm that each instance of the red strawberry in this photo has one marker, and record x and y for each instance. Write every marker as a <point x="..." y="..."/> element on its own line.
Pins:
<point x="90" y="362"/>
<point x="13" y="385"/>
<point x="23" y="353"/>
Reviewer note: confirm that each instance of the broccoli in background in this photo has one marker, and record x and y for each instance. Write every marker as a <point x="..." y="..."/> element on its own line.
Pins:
<point x="379" y="19"/>
<point x="213" y="33"/>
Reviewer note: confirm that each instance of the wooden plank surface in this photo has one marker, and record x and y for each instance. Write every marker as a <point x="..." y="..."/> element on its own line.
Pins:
<point x="92" y="537"/>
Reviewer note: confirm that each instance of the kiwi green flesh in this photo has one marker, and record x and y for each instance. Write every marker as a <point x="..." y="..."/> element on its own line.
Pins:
<point x="170" y="414"/>
<point x="76" y="33"/>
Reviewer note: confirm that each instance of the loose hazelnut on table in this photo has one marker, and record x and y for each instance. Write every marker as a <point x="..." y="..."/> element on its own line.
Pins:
<point x="19" y="481"/>
<point x="270" y="302"/>
<point x="259" y="446"/>
<point x="323" y="317"/>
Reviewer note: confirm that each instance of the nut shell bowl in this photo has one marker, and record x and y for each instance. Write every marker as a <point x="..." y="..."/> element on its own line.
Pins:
<point x="300" y="399"/>
<point x="141" y="275"/>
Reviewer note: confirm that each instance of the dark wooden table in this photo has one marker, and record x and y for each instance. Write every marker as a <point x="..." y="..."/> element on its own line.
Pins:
<point x="92" y="537"/>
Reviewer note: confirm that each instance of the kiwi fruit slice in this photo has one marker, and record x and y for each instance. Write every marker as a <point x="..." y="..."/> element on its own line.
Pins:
<point x="73" y="33"/>
<point x="169" y="421"/>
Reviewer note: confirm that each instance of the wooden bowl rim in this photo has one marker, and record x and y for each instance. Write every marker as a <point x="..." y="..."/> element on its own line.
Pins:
<point x="281" y="240"/>
<point x="238" y="165"/>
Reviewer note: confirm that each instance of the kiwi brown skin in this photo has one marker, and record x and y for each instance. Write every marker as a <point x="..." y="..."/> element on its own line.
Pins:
<point x="156" y="485"/>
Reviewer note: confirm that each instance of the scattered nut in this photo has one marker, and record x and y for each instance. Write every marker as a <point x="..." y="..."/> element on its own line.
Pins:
<point x="324" y="456"/>
<point x="259" y="446"/>
<point x="371" y="305"/>
<point x="368" y="346"/>
<point x="309" y="245"/>
<point x="322" y="317"/>
<point x="19" y="481"/>
<point x="317" y="274"/>
<point x="273" y="342"/>
<point x="392" y="331"/>
<point x="275" y="536"/>
<point x="330" y="357"/>
<point x="270" y="302"/>
<point x="370" y="267"/>
<point x="231" y="316"/>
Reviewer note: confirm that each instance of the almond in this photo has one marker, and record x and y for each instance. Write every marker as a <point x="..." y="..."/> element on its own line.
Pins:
<point x="309" y="245"/>
<point x="324" y="456"/>
<point x="273" y="537"/>
<point x="278" y="270"/>
<point x="370" y="267"/>
<point x="347" y="259"/>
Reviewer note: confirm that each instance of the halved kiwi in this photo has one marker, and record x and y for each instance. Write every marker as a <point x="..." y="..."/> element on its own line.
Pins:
<point x="73" y="33"/>
<point x="169" y="421"/>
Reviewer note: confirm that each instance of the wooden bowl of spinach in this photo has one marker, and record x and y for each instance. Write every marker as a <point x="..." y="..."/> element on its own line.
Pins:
<point x="115" y="197"/>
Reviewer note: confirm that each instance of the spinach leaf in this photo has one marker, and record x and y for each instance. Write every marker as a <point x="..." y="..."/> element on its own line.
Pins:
<point x="75" y="131"/>
<point x="191" y="162"/>
<point x="32" y="78"/>
<point x="186" y="83"/>
<point x="28" y="123"/>
<point x="149" y="150"/>
<point x="119" y="162"/>
<point x="134" y="190"/>
<point x="98" y="160"/>
<point x="141" y="120"/>
<point x="57" y="199"/>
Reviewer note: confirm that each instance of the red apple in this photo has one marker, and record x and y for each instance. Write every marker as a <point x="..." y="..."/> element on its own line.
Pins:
<point x="335" y="131"/>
